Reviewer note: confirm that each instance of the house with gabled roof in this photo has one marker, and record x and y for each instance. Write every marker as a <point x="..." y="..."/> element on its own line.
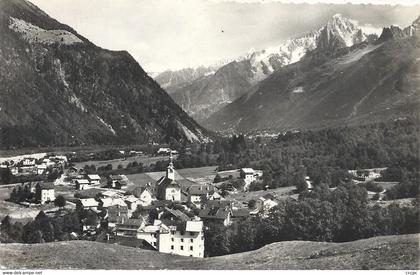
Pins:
<point x="129" y="227"/>
<point x="94" y="179"/>
<point x="174" y="214"/>
<point x="86" y="204"/>
<point x="116" y="181"/>
<point x="249" y="175"/>
<point x="116" y="214"/>
<point x="216" y="214"/>
<point x="104" y="203"/>
<point x="145" y="194"/>
<point x="199" y="193"/>
<point x="82" y="184"/>
<point x="132" y="203"/>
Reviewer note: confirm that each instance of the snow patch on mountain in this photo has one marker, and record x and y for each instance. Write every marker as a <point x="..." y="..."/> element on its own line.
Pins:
<point x="107" y="125"/>
<point x="264" y="62"/>
<point x="78" y="103"/>
<point x="34" y="34"/>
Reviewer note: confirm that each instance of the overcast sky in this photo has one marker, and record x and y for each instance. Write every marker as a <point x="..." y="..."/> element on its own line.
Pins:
<point x="174" y="34"/>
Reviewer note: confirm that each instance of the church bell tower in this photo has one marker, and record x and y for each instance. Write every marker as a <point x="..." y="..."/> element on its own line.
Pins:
<point x="170" y="171"/>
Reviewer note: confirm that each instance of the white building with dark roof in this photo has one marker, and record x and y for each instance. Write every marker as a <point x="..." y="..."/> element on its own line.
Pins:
<point x="46" y="192"/>
<point x="185" y="239"/>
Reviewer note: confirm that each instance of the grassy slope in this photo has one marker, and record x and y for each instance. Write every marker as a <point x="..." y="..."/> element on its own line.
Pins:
<point x="389" y="252"/>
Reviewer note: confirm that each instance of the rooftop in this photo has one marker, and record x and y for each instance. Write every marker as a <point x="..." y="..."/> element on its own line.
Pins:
<point x="116" y="177"/>
<point x="200" y="189"/>
<point x="248" y="170"/>
<point x="133" y="222"/>
<point x="107" y="202"/>
<point x="94" y="177"/>
<point x="178" y="214"/>
<point x="89" y="202"/>
<point x="46" y="185"/>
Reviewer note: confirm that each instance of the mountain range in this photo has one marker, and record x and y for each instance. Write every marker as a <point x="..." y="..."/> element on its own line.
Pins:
<point x="206" y="93"/>
<point x="58" y="88"/>
<point x="375" y="80"/>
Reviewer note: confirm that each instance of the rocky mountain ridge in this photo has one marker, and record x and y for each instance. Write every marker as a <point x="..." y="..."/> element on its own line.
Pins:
<point x="58" y="88"/>
<point x="206" y="94"/>
<point x="370" y="81"/>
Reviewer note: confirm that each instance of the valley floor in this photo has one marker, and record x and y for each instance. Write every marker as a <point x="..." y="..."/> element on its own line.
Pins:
<point x="388" y="252"/>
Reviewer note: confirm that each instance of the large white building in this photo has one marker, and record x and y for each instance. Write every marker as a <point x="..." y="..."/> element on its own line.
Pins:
<point x="185" y="238"/>
<point x="250" y="175"/>
<point x="174" y="239"/>
<point x="45" y="192"/>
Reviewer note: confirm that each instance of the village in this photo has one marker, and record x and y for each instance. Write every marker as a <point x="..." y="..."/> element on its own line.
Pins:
<point x="162" y="211"/>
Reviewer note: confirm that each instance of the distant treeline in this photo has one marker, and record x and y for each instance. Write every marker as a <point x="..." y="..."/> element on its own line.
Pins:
<point x="324" y="155"/>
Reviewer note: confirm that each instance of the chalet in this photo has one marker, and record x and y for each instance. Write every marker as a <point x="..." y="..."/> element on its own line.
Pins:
<point x="173" y="214"/>
<point x="41" y="168"/>
<point x="132" y="203"/>
<point x="82" y="184"/>
<point x="112" y="193"/>
<point x="145" y="194"/>
<point x="117" y="214"/>
<point x="87" y="204"/>
<point x="88" y="193"/>
<point x="214" y="195"/>
<point x="59" y="160"/>
<point x="45" y="192"/>
<point x="198" y="193"/>
<point x="49" y="163"/>
<point x="116" y="182"/>
<point x="216" y="214"/>
<point x="265" y="203"/>
<point x="104" y="203"/>
<point x="167" y="187"/>
<point x="149" y="233"/>
<point x="129" y="227"/>
<point x="94" y="179"/>
<point x="249" y="175"/>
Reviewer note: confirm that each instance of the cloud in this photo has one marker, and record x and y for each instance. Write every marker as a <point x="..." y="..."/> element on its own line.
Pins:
<point x="374" y="2"/>
<point x="174" y="34"/>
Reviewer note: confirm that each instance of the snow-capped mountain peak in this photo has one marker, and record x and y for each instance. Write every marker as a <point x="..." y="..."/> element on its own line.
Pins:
<point x="338" y="28"/>
<point x="342" y="27"/>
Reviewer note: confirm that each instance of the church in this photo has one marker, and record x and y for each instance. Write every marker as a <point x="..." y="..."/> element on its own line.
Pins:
<point x="167" y="188"/>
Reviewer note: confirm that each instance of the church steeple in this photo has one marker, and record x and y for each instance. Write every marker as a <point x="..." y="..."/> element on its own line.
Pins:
<point x="170" y="171"/>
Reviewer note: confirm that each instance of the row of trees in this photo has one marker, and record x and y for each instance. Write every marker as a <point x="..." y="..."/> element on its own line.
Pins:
<point x="41" y="229"/>
<point x="322" y="215"/>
